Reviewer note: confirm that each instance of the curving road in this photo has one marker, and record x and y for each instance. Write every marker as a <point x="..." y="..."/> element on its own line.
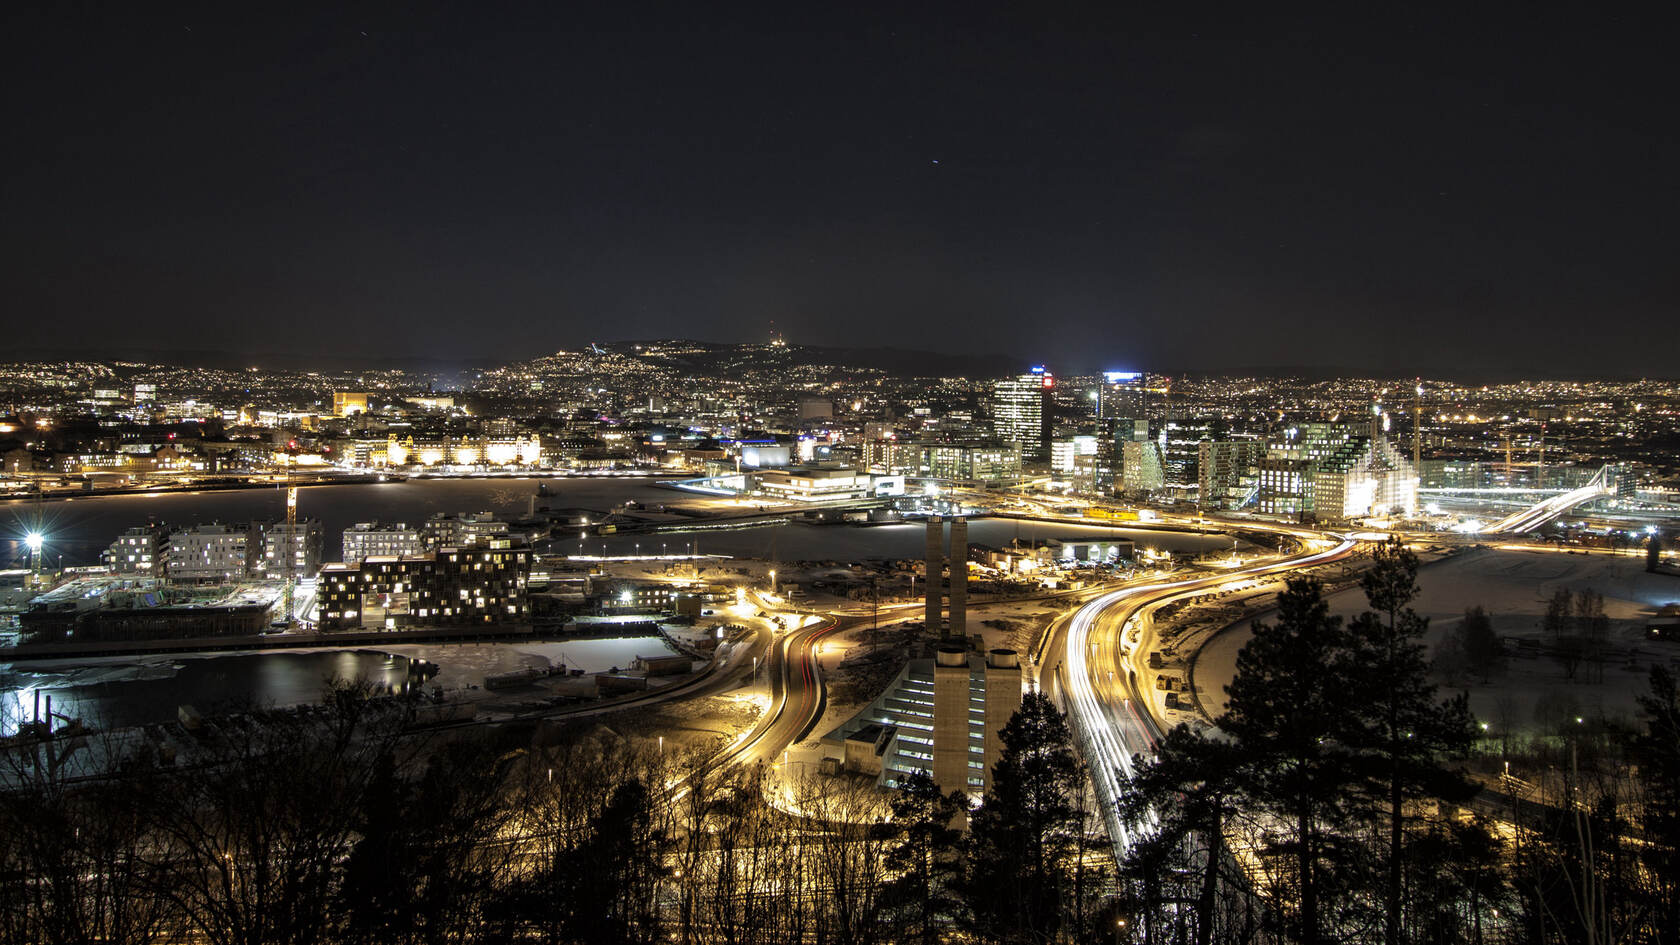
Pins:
<point x="1092" y="657"/>
<point x="797" y="696"/>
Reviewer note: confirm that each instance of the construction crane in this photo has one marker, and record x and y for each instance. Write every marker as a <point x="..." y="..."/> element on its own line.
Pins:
<point x="291" y="543"/>
<point x="1417" y="431"/>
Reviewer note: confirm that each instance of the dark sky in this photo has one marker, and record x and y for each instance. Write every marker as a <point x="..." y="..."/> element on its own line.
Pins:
<point x="1388" y="191"/>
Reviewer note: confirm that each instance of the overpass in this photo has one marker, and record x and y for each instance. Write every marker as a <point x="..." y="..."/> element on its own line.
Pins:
<point x="1547" y="509"/>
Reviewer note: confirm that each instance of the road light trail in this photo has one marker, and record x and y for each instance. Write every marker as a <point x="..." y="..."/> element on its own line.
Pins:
<point x="1101" y="693"/>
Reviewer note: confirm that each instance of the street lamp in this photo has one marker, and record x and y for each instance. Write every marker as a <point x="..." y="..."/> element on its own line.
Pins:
<point x="33" y="541"/>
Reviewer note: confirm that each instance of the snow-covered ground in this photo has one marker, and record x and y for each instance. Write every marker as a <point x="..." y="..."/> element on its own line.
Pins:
<point x="1513" y="587"/>
<point x="466" y="664"/>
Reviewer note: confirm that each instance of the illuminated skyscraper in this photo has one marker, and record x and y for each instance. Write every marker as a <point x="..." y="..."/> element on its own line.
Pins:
<point x="1122" y="395"/>
<point x="1021" y="412"/>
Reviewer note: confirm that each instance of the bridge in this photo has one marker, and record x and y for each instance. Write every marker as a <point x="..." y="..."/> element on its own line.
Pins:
<point x="1547" y="509"/>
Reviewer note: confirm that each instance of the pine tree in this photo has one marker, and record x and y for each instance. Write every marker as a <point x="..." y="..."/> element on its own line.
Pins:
<point x="1656" y="751"/>
<point x="1482" y="648"/>
<point x="1291" y="711"/>
<point x="1179" y="804"/>
<point x="1405" y="733"/>
<point x="1024" y="836"/>
<point x="1559" y="609"/>
<point x="923" y="857"/>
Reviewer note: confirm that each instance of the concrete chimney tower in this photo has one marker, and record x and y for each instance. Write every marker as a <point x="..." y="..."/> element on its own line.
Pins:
<point x="959" y="578"/>
<point x="935" y="570"/>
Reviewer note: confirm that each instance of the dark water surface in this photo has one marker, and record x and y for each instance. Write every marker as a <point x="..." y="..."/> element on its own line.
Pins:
<point x="81" y="528"/>
<point x="141" y="692"/>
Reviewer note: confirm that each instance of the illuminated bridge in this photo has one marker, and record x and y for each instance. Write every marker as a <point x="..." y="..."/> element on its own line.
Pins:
<point x="1544" y="511"/>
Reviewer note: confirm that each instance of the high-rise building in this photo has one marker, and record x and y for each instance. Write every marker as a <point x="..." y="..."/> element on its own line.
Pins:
<point x="1064" y="452"/>
<point x="941" y="716"/>
<point x="1140" y="467"/>
<point x="935" y="564"/>
<point x="1021" y="411"/>
<point x="1332" y="473"/>
<point x="1181" y="442"/>
<point x="1123" y="394"/>
<point x="1227" y="472"/>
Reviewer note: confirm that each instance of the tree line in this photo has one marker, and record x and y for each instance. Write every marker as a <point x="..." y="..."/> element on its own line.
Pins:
<point x="340" y="826"/>
<point x="1334" y="799"/>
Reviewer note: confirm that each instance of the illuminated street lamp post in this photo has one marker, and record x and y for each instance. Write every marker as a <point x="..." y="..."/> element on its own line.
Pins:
<point x="33" y="541"/>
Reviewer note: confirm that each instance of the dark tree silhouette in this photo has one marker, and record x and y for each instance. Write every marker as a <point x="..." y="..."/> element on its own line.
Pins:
<point x="1656" y="751"/>
<point x="1190" y="791"/>
<point x="1483" y="651"/>
<point x="1405" y="733"/>
<point x="923" y="857"/>
<point x="1024" y="836"/>
<point x="1292" y="710"/>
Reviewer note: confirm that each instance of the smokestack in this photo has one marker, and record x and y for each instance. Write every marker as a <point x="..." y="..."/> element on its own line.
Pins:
<point x="935" y="570"/>
<point x="959" y="577"/>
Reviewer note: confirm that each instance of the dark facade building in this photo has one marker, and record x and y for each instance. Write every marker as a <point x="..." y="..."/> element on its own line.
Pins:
<point x="452" y="586"/>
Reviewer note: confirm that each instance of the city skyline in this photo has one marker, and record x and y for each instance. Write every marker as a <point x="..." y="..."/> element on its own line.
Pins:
<point x="1409" y="196"/>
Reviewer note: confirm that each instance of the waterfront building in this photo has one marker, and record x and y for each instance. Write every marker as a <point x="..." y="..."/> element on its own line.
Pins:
<point x="463" y="529"/>
<point x="139" y="551"/>
<point x="211" y="553"/>
<point x="292" y="550"/>
<point x="998" y="462"/>
<point x="453" y="586"/>
<point x="364" y="539"/>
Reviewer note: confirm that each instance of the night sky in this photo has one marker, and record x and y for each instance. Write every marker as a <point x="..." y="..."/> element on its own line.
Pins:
<point x="1395" y="192"/>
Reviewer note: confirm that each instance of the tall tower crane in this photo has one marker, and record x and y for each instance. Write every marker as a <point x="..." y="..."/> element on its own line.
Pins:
<point x="291" y="544"/>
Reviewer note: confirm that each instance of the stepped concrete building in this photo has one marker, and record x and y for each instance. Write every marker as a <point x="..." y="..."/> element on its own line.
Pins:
<point x="941" y="715"/>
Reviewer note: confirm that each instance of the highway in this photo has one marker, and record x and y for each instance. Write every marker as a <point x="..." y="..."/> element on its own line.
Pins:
<point x="1093" y="659"/>
<point x="797" y="695"/>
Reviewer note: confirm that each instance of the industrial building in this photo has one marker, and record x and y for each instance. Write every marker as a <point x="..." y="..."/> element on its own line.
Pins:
<point x="120" y="608"/>
<point x="941" y="716"/>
